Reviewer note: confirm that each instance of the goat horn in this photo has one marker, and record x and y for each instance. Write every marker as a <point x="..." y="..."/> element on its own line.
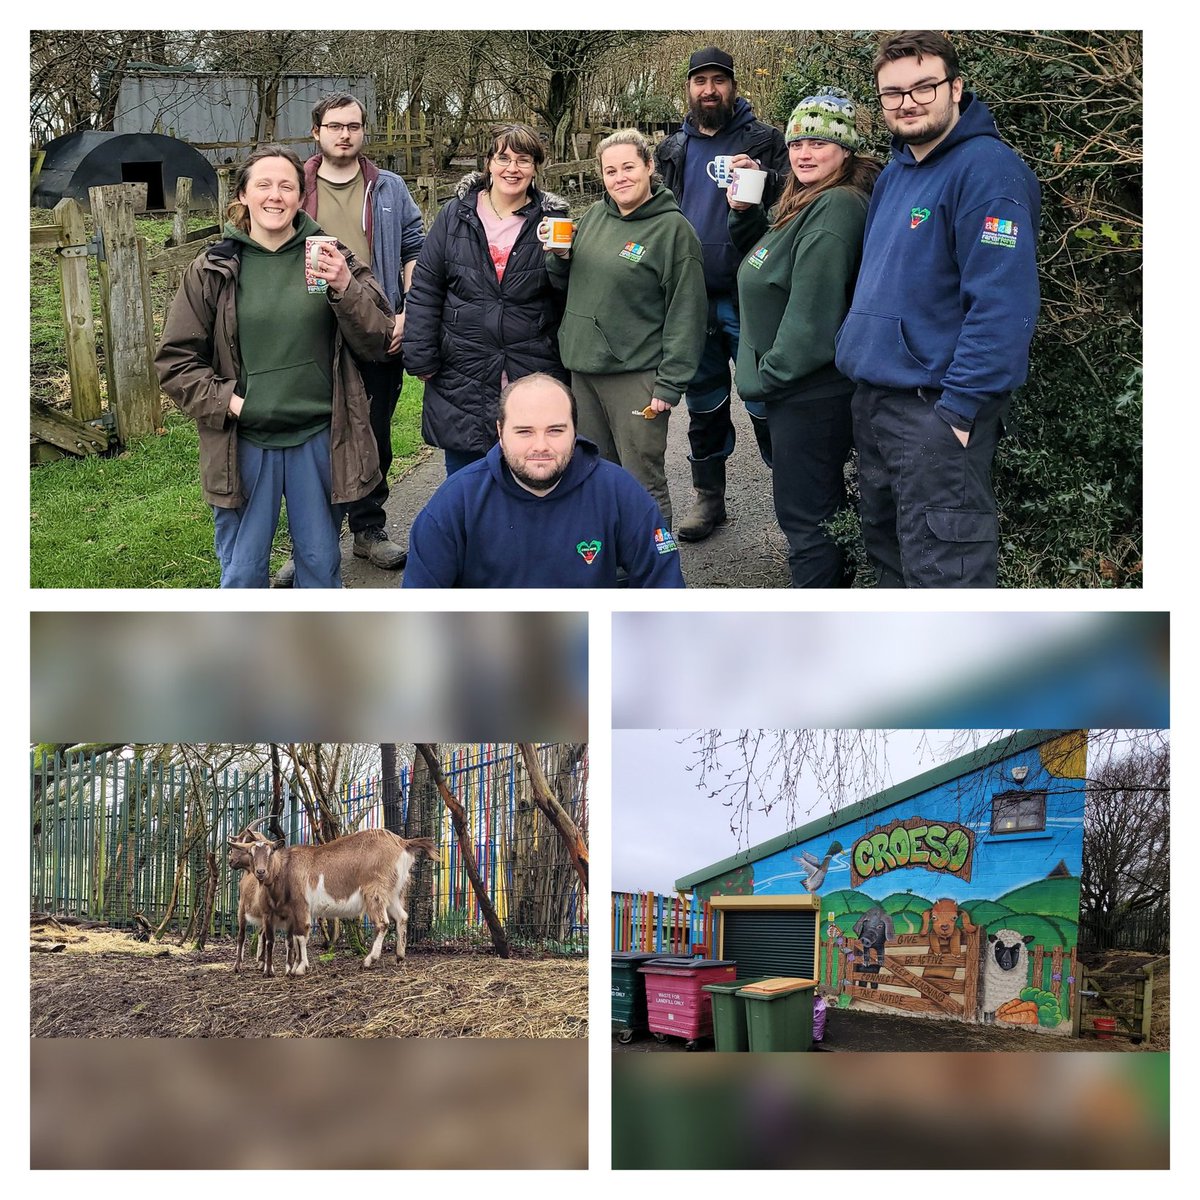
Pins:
<point x="254" y="824"/>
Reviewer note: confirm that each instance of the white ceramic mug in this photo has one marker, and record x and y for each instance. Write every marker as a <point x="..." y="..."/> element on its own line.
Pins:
<point x="312" y="256"/>
<point x="720" y="170"/>
<point x="747" y="185"/>
<point x="556" y="233"/>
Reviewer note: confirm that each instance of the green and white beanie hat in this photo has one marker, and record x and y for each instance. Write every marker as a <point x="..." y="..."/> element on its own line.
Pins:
<point x="827" y="117"/>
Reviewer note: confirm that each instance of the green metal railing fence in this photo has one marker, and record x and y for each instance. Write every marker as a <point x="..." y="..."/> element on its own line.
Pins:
<point x="113" y="836"/>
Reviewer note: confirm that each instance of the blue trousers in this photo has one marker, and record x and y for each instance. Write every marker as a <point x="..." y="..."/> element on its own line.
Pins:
<point x="299" y="476"/>
<point x="710" y="424"/>
<point x="457" y="459"/>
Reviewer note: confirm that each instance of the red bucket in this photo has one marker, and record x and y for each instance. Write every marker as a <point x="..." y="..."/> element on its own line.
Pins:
<point x="1104" y="1027"/>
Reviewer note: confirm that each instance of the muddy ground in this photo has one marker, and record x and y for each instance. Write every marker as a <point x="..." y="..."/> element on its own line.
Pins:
<point x="748" y="551"/>
<point x="166" y="992"/>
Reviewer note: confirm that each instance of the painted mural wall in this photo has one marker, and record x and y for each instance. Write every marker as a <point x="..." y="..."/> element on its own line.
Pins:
<point x="960" y="902"/>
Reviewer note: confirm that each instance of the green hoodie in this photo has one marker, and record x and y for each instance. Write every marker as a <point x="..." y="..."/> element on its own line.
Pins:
<point x="285" y="337"/>
<point x="635" y="294"/>
<point x="794" y="290"/>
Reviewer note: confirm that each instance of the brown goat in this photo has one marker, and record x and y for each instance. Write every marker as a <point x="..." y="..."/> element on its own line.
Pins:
<point x="360" y="873"/>
<point x="254" y="901"/>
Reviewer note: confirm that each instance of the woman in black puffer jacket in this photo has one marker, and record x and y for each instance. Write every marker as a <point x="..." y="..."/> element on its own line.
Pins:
<point x="481" y="311"/>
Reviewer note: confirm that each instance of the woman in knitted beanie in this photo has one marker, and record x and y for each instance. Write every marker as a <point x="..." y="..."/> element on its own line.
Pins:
<point x="794" y="289"/>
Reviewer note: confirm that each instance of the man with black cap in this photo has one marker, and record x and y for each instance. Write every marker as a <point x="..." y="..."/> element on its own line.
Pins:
<point x="718" y="121"/>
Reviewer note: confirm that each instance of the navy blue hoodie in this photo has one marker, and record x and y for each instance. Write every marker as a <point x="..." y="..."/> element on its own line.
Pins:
<point x="947" y="293"/>
<point x="481" y="529"/>
<point x="705" y="205"/>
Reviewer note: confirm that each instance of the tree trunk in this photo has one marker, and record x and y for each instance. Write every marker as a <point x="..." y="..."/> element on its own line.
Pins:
<point x="458" y="818"/>
<point x="422" y="822"/>
<point x="392" y="818"/>
<point x="545" y="799"/>
<point x="206" y="907"/>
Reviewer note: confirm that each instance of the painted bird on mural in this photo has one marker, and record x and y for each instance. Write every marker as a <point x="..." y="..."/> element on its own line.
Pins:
<point x="814" y="867"/>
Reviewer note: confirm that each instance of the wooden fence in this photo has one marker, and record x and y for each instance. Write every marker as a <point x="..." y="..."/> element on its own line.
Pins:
<point x="662" y="924"/>
<point x="113" y="837"/>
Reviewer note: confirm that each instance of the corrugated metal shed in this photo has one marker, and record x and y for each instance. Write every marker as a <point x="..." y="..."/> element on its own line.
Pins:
<point x="211" y="106"/>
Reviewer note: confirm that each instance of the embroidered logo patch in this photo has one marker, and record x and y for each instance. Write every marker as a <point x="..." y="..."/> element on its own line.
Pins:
<point x="633" y="251"/>
<point x="998" y="232"/>
<point x="588" y="551"/>
<point x="664" y="541"/>
<point x="918" y="215"/>
<point x="759" y="257"/>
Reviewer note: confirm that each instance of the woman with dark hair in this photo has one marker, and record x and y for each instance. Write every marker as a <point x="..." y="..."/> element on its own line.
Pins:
<point x="634" y="327"/>
<point x="481" y="311"/>
<point x="264" y="364"/>
<point x="794" y="288"/>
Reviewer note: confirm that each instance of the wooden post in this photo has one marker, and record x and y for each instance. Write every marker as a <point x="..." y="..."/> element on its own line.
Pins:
<point x="78" y="326"/>
<point x="427" y="187"/>
<point x="133" y="393"/>
<point x="224" y="192"/>
<point x="183" y="202"/>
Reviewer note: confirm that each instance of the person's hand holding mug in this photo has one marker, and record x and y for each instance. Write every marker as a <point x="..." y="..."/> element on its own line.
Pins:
<point x="556" y="235"/>
<point x="329" y="264"/>
<point x="742" y="162"/>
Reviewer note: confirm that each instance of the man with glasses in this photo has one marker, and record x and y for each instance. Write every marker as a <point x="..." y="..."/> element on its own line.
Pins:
<point x="371" y="212"/>
<point x="939" y="330"/>
<point x="718" y="121"/>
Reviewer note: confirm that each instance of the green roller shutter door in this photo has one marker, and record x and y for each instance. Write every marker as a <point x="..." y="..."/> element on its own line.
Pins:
<point x="771" y="943"/>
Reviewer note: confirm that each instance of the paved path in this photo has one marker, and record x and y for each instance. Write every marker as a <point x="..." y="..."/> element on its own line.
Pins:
<point x="748" y="551"/>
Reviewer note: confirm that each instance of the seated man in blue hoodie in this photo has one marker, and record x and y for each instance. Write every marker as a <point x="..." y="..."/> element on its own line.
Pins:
<point x="939" y="329"/>
<point x="542" y="509"/>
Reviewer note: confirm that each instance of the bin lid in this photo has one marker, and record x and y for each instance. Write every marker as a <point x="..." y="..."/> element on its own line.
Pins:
<point x="672" y="962"/>
<point x="632" y="956"/>
<point x="778" y="985"/>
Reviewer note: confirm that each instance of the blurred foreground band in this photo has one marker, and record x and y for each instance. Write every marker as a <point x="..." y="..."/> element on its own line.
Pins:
<point x="279" y="1104"/>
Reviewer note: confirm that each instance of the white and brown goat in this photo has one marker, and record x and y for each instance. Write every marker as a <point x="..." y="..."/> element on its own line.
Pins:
<point x="364" y="872"/>
<point x="254" y="901"/>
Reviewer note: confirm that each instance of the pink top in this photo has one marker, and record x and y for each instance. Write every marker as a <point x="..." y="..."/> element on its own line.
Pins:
<point x="502" y="232"/>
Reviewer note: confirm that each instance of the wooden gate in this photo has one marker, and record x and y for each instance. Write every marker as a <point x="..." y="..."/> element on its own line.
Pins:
<point x="1122" y="992"/>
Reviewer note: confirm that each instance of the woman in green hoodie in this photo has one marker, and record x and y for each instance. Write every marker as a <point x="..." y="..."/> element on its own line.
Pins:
<point x="263" y="364"/>
<point x="633" y="330"/>
<point x="794" y="289"/>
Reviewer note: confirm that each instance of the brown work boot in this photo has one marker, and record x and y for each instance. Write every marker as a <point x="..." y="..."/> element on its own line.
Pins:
<point x="377" y="548"/>
<point x="708" y="511"/>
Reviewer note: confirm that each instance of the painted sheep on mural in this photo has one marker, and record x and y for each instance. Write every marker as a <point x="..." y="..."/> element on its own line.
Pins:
<point x="1005" y="970"/>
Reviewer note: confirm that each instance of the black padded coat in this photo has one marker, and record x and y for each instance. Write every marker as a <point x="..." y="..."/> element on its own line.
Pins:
<point x="465" y="327"/>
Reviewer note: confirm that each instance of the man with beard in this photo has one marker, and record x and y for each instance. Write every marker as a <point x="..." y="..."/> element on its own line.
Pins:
<point x="718" y="121"/>
<point x="542" y="509"/>
<point x="370" y="211"/>
<point x="938" y="333"/>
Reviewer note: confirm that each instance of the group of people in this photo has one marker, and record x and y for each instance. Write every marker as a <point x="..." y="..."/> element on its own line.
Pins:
<point x="886" y="310"/>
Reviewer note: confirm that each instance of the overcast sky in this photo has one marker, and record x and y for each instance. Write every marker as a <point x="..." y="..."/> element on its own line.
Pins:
<point x="664" y="827"/>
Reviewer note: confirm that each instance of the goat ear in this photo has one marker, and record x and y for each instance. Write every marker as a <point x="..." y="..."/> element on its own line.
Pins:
<point x="278" y="844"/>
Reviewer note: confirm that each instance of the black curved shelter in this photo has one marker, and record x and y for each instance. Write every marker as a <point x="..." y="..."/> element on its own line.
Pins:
<point x="79" y="161"/>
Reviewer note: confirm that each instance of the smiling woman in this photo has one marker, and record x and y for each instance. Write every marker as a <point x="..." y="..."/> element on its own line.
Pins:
<point x="255" y="356"/>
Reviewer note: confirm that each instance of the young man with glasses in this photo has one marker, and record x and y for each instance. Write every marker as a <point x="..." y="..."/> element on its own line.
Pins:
<point x="371" y="212"/>
<point x="939" y="330"/>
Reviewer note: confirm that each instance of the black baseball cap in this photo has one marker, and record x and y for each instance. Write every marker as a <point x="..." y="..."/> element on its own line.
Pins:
<point x="710" y="56"/>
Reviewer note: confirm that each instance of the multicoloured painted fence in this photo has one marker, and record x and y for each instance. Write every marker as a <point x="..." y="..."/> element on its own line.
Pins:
<point x="663" y="924"/>
<point x="108" y="834"/>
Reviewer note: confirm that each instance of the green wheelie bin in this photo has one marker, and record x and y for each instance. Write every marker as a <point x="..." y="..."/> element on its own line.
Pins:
<point x="628" y="994"/>
<point x="779" y="1014"/>
<point x="729" y="1015"/>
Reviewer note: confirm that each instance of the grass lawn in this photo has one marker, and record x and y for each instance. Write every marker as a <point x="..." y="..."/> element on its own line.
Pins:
<point x="138" y="519"/>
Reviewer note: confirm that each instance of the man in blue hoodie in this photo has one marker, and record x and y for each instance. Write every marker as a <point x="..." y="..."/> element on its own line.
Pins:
<point x="718" y="121"/>
<point x="542" y="509"/>
<point x="939" y="330"/>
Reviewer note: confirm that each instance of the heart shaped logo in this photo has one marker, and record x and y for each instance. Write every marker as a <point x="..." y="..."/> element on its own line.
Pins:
<point x="919" y="215"/>
<point x="588" y="550"/>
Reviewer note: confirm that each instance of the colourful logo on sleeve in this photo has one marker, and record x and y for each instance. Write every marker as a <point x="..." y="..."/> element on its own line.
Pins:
<point x="759" y="257"/>
<point x="588" y="550"/>
<point x="998" y="232"/>
<point x="633" y="251"/>
<point x="917" y="216"/>
<point x="664" y="540"/>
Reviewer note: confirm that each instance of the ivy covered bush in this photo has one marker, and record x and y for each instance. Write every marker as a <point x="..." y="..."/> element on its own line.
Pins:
<point x="1069" y="476"/>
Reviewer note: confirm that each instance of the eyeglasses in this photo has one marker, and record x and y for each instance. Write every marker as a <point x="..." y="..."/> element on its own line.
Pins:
<point x="337" y="127"/>
<point x="522" y="160"/>
<point x="923" y="93"/>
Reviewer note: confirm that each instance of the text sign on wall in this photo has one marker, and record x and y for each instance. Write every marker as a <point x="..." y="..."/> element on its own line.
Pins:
<point x="917" y="842"/>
